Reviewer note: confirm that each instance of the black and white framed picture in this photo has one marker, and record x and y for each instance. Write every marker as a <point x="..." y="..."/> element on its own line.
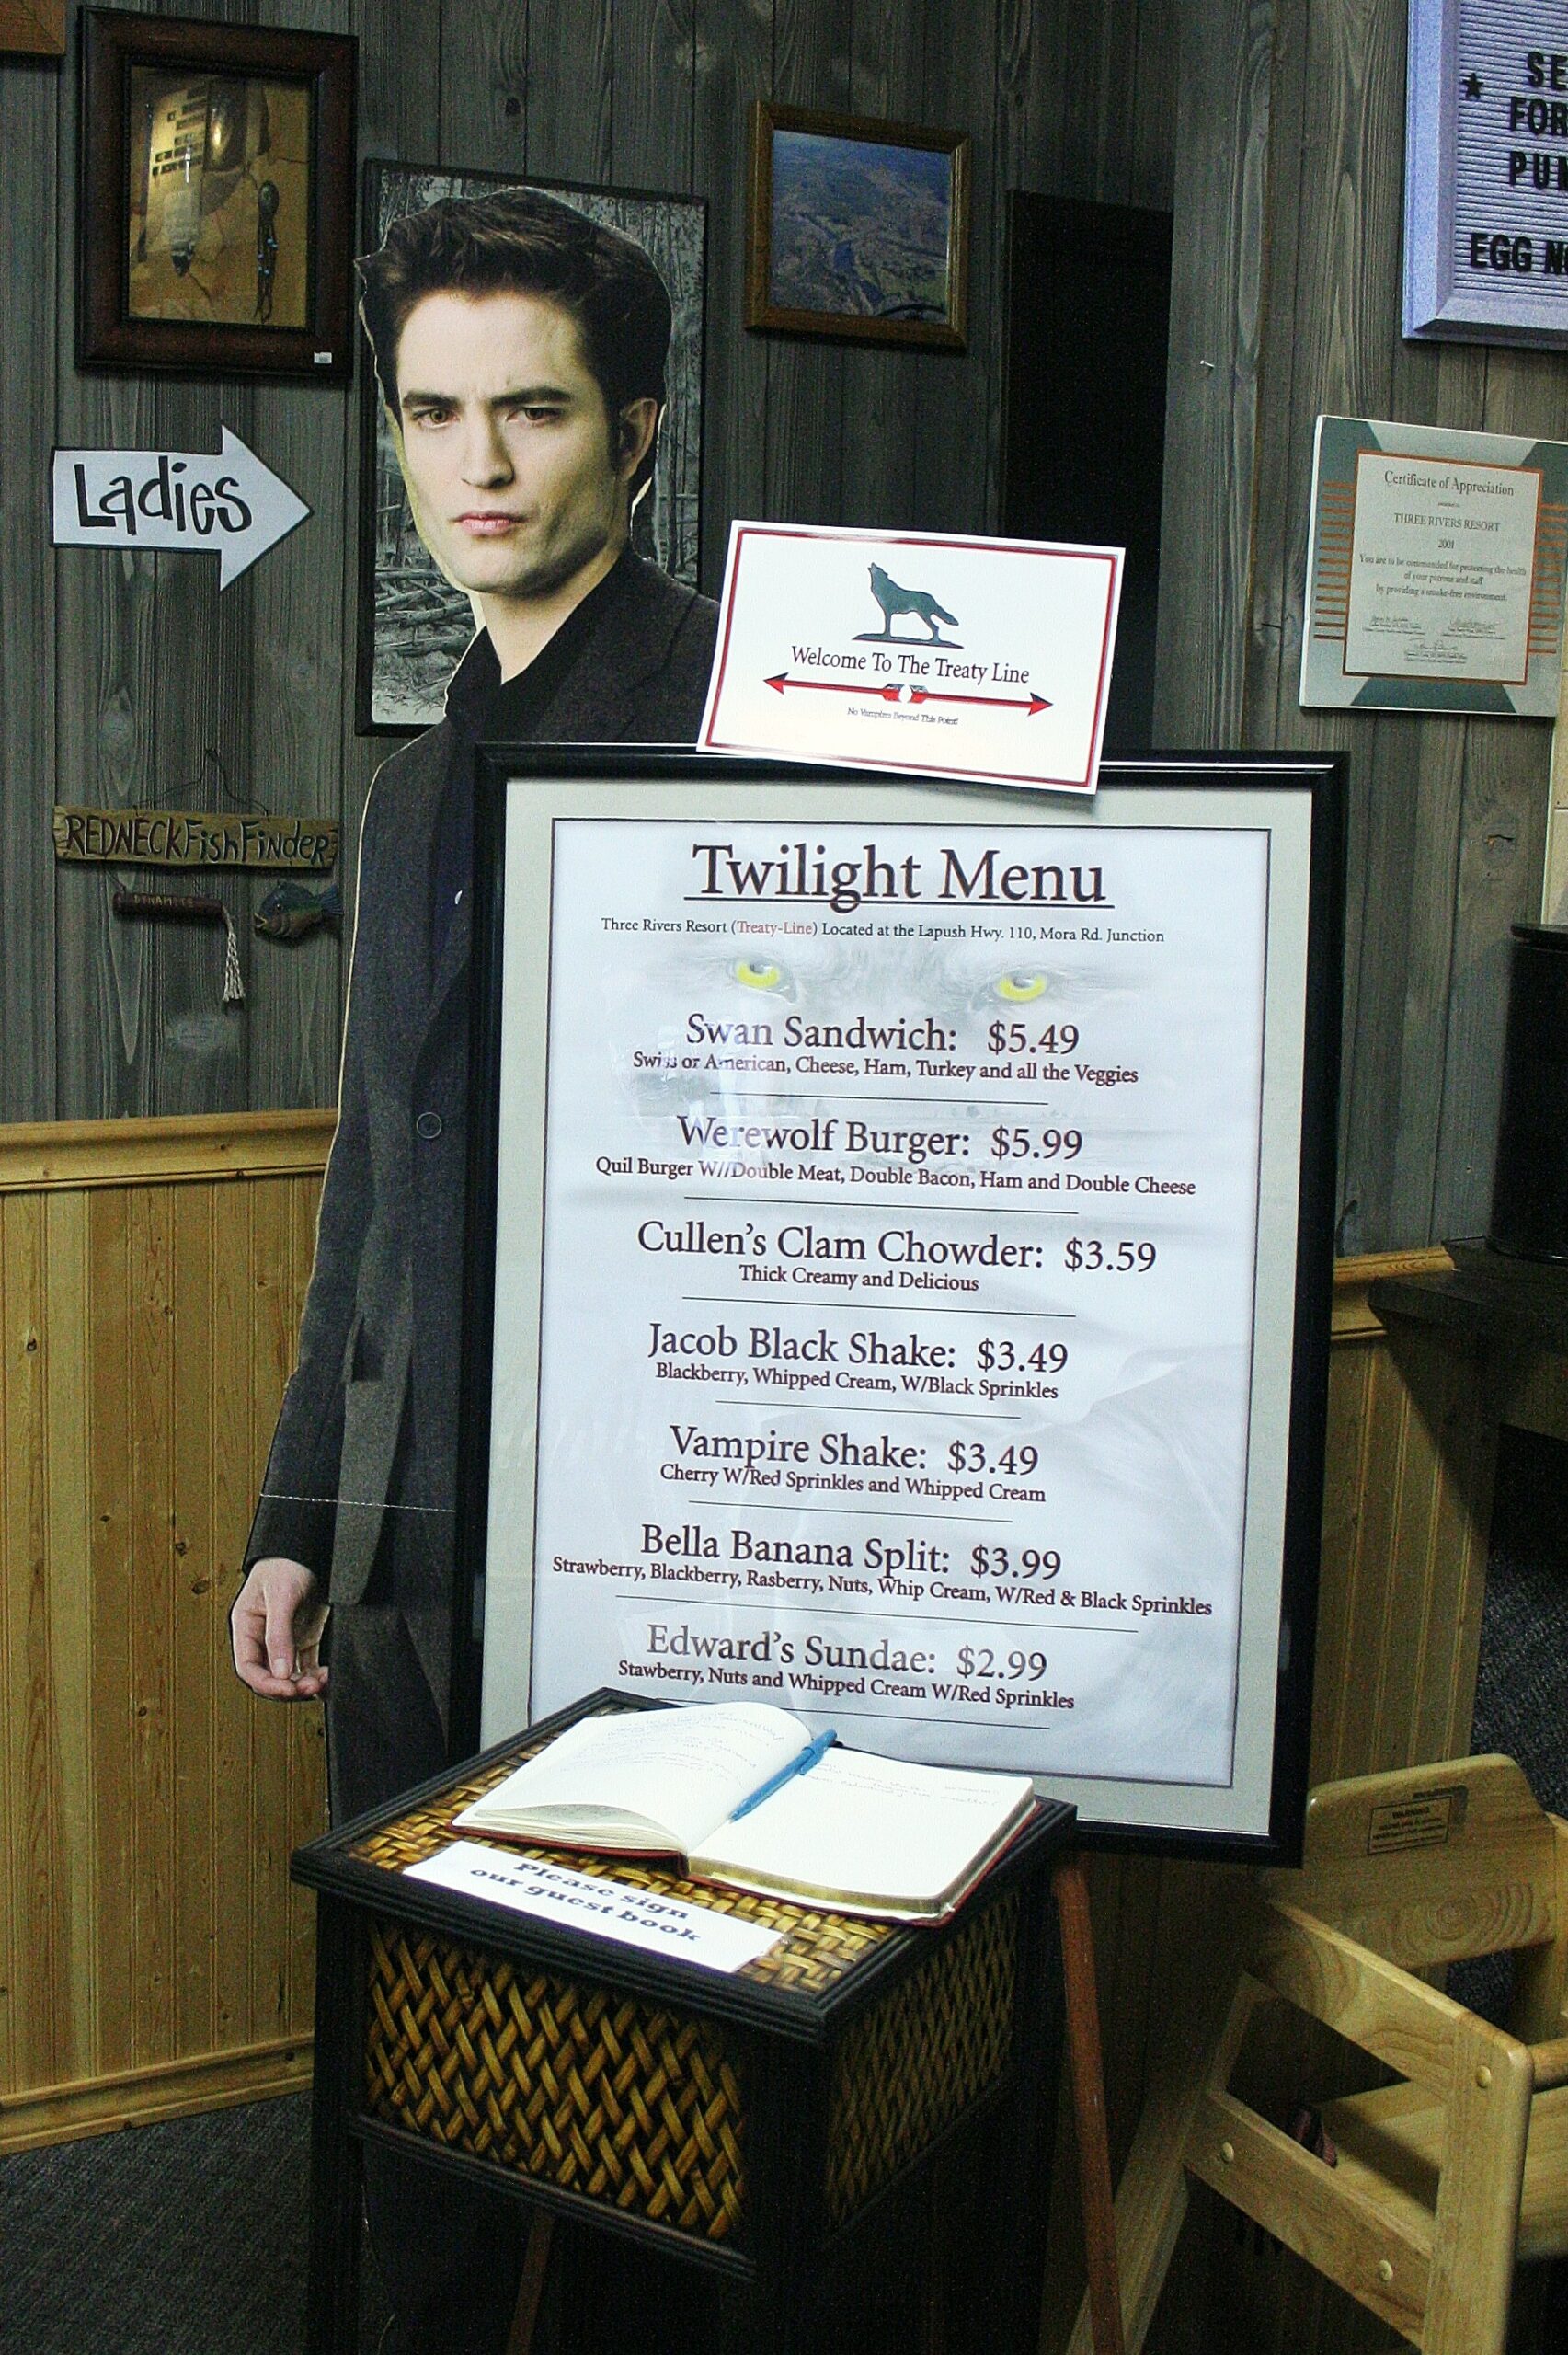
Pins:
<point x="413" y="623"/>
<point x="899" y="1260"/>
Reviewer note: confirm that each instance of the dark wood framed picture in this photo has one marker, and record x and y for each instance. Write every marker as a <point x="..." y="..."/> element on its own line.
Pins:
<point x="32" y="28"/>
<point x="216" y="201"/>
<point x="858" y="228"/>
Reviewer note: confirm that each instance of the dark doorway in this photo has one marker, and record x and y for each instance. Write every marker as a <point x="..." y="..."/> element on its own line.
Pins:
<point x="1088" y="320"/>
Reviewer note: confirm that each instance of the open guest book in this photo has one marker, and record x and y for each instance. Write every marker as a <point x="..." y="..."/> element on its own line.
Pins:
<point x="744" y="1796"/>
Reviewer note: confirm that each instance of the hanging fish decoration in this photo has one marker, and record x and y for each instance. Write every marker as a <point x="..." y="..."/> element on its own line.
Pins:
<point x="290" y="911"/>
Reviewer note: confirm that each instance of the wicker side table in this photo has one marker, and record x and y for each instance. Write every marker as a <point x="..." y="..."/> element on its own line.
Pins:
<point x="751" y="2123"/>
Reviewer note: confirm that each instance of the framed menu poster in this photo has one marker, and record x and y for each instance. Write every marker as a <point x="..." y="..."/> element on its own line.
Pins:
<point x="900" y="1257"/>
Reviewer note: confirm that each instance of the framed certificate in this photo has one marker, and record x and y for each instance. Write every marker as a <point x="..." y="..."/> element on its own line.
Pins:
<point x="899" y="1260"/>
<point x="1435" y="570"/>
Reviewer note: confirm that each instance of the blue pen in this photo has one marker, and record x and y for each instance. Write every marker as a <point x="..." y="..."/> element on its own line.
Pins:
<point x="801" y="1764"/>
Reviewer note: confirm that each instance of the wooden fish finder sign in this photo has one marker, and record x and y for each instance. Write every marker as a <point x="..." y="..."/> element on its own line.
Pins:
<point x="193" y="838"/>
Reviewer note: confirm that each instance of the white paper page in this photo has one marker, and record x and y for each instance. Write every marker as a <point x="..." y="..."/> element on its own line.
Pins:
<point x="632" y="1917"/>
<point x="907" y="1380"/>
<point x="961" y="1425"/>
<point x="957" y="656"/>
<point x="870" y="1826"/>
<point x="682" y="1770"/>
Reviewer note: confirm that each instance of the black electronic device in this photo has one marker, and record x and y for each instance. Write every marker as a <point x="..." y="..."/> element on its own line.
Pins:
<point x="1529" y="1199"/>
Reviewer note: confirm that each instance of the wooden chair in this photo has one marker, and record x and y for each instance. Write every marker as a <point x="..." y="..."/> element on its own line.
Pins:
<point x="1443" y="2180"/>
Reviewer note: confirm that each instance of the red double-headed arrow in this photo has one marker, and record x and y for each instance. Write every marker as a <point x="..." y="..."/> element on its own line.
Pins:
<point x="892" y="691"/>
<point x="1031" y="704"/>
<point x="780" y="680"/>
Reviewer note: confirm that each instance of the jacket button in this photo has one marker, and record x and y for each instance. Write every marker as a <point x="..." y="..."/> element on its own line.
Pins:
<point x="428" y="1126"/>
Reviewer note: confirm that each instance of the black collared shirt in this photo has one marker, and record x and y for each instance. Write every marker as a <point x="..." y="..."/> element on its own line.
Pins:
<point x="482" y="708"/>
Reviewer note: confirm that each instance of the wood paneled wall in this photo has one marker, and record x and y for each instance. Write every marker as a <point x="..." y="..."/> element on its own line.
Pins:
<point x="1276" y="128"/>
<point x="152" y="1956"/>
<point x="121" y="670"/>
<point x="1290" y="178"/>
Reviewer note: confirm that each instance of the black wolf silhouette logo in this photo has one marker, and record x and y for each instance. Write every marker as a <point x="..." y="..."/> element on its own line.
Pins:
<point x="918" y="601"/>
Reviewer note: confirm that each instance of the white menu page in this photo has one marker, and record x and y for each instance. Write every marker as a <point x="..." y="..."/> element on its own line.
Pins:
<point x="898" y="1313"/>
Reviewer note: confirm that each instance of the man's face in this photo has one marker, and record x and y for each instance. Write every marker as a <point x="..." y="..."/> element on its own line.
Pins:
<point x="518" y="480"/>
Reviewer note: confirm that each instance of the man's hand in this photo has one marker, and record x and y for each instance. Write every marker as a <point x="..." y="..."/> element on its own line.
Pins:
<point x="276" y="1627"/>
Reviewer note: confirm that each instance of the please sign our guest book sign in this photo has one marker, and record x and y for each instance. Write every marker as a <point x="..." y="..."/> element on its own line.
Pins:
<point x="1486" y="171"/>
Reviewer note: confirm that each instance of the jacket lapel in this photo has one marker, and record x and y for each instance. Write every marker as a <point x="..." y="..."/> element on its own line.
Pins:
<point x="454" y="953"/>
<point x="626" y="649"/>
<point x="476" y="664"/>
<point x="406" y="915"/>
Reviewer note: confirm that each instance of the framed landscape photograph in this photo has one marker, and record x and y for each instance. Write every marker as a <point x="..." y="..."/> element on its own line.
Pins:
<point x="858" y="228"/>
<point x="413" y="625"/>
<point x="217" y="198"/>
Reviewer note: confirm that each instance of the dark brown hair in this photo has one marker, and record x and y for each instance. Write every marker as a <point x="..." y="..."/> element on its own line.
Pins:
<point x="518" y="241"/>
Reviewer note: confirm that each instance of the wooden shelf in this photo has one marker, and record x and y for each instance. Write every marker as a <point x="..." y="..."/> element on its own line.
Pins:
<point x="1483" y="1296"/>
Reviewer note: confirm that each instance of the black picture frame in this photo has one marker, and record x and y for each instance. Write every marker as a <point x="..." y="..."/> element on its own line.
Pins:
<point x="1316" y="904"/>
<point x="400" y="586"/>
<point x="122" y="55"/>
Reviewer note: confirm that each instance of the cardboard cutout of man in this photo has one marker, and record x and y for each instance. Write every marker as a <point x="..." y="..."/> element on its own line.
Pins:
<point x="520" y="350"/>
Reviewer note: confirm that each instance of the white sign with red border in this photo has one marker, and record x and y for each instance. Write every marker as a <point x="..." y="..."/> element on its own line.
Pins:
<point x="930" y="653"/>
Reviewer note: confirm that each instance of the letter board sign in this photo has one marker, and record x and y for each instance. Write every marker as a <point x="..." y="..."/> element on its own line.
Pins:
<point x="1486" y="171"/>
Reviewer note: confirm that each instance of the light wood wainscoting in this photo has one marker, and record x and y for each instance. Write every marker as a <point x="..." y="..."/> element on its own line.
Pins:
<point x="152" y="1956"/>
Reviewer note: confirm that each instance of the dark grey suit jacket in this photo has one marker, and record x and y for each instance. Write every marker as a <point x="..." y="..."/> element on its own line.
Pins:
<point x="381" y="1329"/>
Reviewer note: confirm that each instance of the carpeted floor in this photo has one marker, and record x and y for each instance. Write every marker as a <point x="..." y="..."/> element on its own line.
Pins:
<point x="180" y="2239"/>
<point x="1521" y="1697"/>
<point x="190" y="2239"/>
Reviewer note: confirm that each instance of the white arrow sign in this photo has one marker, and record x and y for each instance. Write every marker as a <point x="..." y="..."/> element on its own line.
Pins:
<point x="175" y="498"/>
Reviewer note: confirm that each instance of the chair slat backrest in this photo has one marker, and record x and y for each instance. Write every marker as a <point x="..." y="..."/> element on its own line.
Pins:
<point x="1430" y="1864"/>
